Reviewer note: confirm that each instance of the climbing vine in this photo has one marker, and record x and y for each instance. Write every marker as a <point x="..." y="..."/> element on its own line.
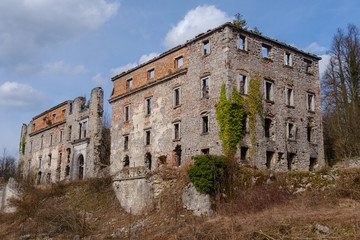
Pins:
<point x="230" y="117"/>
<point x="254" y="104"/>
<point x="22" y="144"/>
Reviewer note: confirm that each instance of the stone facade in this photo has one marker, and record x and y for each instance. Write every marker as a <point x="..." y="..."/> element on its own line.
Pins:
<point x="64" y="142"/>
<point x="163" y="111"/>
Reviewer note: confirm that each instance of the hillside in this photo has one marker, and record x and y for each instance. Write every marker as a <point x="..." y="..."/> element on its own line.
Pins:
<point x="310" y="206"/>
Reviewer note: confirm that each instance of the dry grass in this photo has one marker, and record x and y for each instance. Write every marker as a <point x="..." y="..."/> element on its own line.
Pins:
<point x="259" y="211"/>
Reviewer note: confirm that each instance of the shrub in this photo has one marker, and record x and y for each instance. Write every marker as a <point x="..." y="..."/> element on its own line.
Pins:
<point x="206" y="172"/>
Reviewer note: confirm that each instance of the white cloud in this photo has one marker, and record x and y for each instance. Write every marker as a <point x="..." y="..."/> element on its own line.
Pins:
<point x="143" y="59"/>
<point x="196" y="21"/>
<point x="16" y="96"/>
<point x="61" y="68"/>
<point x="315" y="48"/>
<point x="324" y="62"/>
<point x="99" y="79"/>
<point x="29" y="26"/>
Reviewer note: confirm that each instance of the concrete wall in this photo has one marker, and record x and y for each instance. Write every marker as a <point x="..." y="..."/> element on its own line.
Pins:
<point x="7" y="192"/>
<point x="70" y="139"/>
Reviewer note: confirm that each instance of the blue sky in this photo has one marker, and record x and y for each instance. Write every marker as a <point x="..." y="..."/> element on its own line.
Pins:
<point x="55" y="50"/>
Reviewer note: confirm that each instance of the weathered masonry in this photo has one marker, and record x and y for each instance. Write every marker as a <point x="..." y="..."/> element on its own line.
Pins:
<point x="64" y="142"/>
<point x="163" y="111"/>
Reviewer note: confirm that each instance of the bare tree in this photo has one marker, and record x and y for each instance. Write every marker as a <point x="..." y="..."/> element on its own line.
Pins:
<point x="341" y="96"/>
<point x="7" y="166"/>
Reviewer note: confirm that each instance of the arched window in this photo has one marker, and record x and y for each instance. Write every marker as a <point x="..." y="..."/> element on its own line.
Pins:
<point x="81" y="166"/>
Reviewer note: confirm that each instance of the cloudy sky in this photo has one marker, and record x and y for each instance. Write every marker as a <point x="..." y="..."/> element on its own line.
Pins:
<point x="55" y="50"/>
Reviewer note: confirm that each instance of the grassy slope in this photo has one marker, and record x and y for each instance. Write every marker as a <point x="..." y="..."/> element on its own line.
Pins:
<point x="89" y="208"/>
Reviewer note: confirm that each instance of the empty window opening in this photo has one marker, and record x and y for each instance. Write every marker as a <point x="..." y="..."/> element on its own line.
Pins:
<point x="291" y="131"/>
<point x="84" y="129"/>
<point x="148" y="160"/>
<point x="70" y="108"/>
<point x="30" y="146"/>
<point x="205" y="88"/>
<point x="291" y="161"/>
<point x="126" y="142"/>
<point x="243" y="84"/>
<point x="177" y="152"/>
<point x="244" y="154"/>
<point x="39" y="178"/>
<point x="311" y="102"/>
<point x="68" y="154"/>
<point x="126" y="161"/>
<point x="309" y="133"/>
<point x="148" y="102"/>
<point x="40" y="160"/>
<point x="58" y="168"/>
<point x="81" y="166"/>
<point x="265" y="51"/>
<point x="268" y="127"/>
<point x="205" y="124"/>
<point x="127" y="113"/>
<point x="49" y="163"/>
<point x="288" y="59"/>
<point x="269" y="159"/>
<point x="61" y="135"/>
<point x="308" y="66"/>
<point x="69" y="136"/>
<point x="245" y="124"/>
<point x="151" y="74"/>
<point x="280" y="155"/>
<point x="64" y="112"/>
<point x="48" y="178"/>
<point x="33" y="127"/>
<point x="205" y="151"/>
<point x="54" y="117"/>
<point x="206" y="45"/>
<point x="67" y="170"/>
<point x="242" y="43"/>
<point x="176" y="131"/>
<point x="289" y="97"/>
<point x="147" y="137"/>
<point x="269" y="91"/>
<point x="129" y="83"/>
<point x="80" y="130"/>
<point x="42" y="141"/>
<point x="179" y="62"/>
<point x="313" y="162"/>
<point x="51" y="139"/>
<point x="176" y="97"/>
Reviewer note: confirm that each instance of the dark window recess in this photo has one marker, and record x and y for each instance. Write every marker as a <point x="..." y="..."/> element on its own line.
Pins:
<point x="205" y="151"/>
<point x="313" y="162"/>
<point x="126" y="142"/>
<point x="127" y="113"/>
<point x="291" y="160"/>
<point x="148" y="160"/>
<point x="70" y="108"/>
<point x="177" y="152"/>
<point x="176" y="130"/>
<point x="268" y="91"/>
<point x="148" y="140"/>
<point x="176" y="97"/>
<point x="148" y="106"/>
<point x="206" y="47"/>
<point x="308" y="130"/>
<point x="267" y="127"/>
<point x="243" y="154"/>
<point x="242" y="43"/>
<point x="126" y="161"/>
<point x="269" y="157"/>
<point x="205" y="124"/>
<point x="205" y="88"/>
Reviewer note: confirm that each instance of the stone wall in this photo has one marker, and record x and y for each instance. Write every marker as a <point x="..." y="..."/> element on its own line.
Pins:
<point x="67" y="148"/>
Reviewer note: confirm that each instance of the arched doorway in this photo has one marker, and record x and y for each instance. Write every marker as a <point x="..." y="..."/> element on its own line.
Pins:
<point x="81" y="166"/>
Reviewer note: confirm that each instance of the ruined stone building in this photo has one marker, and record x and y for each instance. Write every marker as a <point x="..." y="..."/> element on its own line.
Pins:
<point x="64" y="142"/>
<point x="163" y="111"/>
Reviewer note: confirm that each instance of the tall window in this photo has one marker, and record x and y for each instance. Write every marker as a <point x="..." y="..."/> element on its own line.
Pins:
<point x="54" y="117"/>
<point x="127" y="113"/>
<point x="309" y="133"/>
<point x="242" y="43"/>
<point x="205" y="88"/>
<point x="289" y="97"/>
<point x="70" y="130"/>
<point x="126" y="142"/>
<point x="148" y="104"/>
<point x="269" y="91"/>
<point x="61" y="135"/>
<point x="176" y="96"/>
<point x="268" y="127"/>
<point x="308" y="66"/>
<point x="51" y="139"/>
<point x="243" y="84"/>
<point x="206" y="47"/>
<point x="147" y="137"/>
<point x="205" y="124"/>
<point x="70" y="108"/>
<point x="129" y="83"/>
<point x="84" y="128"/>
<point x="42" y="141"/>
<point x="291" y="131"/>
<point x="64" y="112"/>
<point x="177" y="131"/>
<point x="49" y="163"/>
<point x="311" y="102"/>
<point x="179" y="62"/>
<point x="265" y="51"/>
<point x="287" y="59"/>
<point x="151" y="74"/>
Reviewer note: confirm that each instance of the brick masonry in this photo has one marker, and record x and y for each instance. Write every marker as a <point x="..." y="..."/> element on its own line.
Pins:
<point x="67" y="145"/>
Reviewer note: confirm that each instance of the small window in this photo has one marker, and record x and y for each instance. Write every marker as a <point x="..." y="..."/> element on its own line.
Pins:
<point x="30" y="146"/>
<point x="205" y="151"/>
<point x="126" y="161"/>
<point x="205" y="88"/>
<point x="179" y="62"/>
<point x="243" y="84"/>
<point x="70" y="108"/>
<point x="312" y="164"/>
<point x="69" y="136"/>
<point x="309" y="133"/>
<point x="177" y="131"/>
<point x="291" y="159"/>
<point x="308" y="66"/>
<point x="54" y="117"/>
<point x="64" y="112"/>
<point x="291" y="131"/>
<point x="243" y="154"/>
<point x="80" y="130"/>
<point x="127" y="113"/>
<point x="287" y="59"/>
<point x="148" y="103"/>
<point x="49" y="163"/>
<point x="33" y="126"/>
<point x="84" y="129"/>
<point x="310" y="102"/>
<point x="147" y="137"/>
<point x="268" y="127"/>
<point x="151" y="74"/>
<point x="265" y="51"/>
<point x="126" y="142"/>
<point x="40" y="162"/>
<point x="269" y="91"/>
<point x="242" y="43"/>
<point x="205" y="124"/>
<point x="129" y="83"/>
<point x="206" y="47"/>
<point x="269" y="159"/>
<point x="42" y="141"/>
<point x="289" y="97"/>
<point x="51" y="139"/>
<point x="177" y="97"/>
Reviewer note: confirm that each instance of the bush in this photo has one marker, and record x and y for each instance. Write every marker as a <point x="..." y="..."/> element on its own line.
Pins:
<point x="206" y="173"/>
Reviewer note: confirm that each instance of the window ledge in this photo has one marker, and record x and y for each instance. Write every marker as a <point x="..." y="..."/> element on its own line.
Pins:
<point x="292" y="140"/>
<point x="309" y="73"/>
<point x="176" y="140"/>
<point x="311" y="111"/>
<point x="267" y="59"/>
<point x="177" y="106"/>
<point x="204" y="98"/>
<point x="204" y="133"/>
<point x="269" y="101"/>
<point x="243" y="51"/>
<point x="288" y="66"/>
<point x="290" y="106"/>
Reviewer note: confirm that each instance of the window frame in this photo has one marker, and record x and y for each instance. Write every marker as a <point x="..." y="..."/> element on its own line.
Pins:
<point x="126" y="112"/>
<point x="176" y="132"/>
<point x="242" y="39"/>
<point x="126" y="142"/>
<point x="310" y="103"/>
<point x="245" y="79"/>
<point x="177" y="61"/>
<point x="289" y="99"/>
<point x="269" y="95"/>
<point x="177" y="96"/>
<point x="205" y="91"/>
<point x="151" y="74"/>
<point x="288" y="59"/>
<point x="268" y="51"/>
<point x="291" y="131"/>
<point x="205" y="125"/>
<point x="206" y="47"/>
<point x="148" y="106"/>
<point x="147" y="137"/>
<point x="129" y="83"/>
